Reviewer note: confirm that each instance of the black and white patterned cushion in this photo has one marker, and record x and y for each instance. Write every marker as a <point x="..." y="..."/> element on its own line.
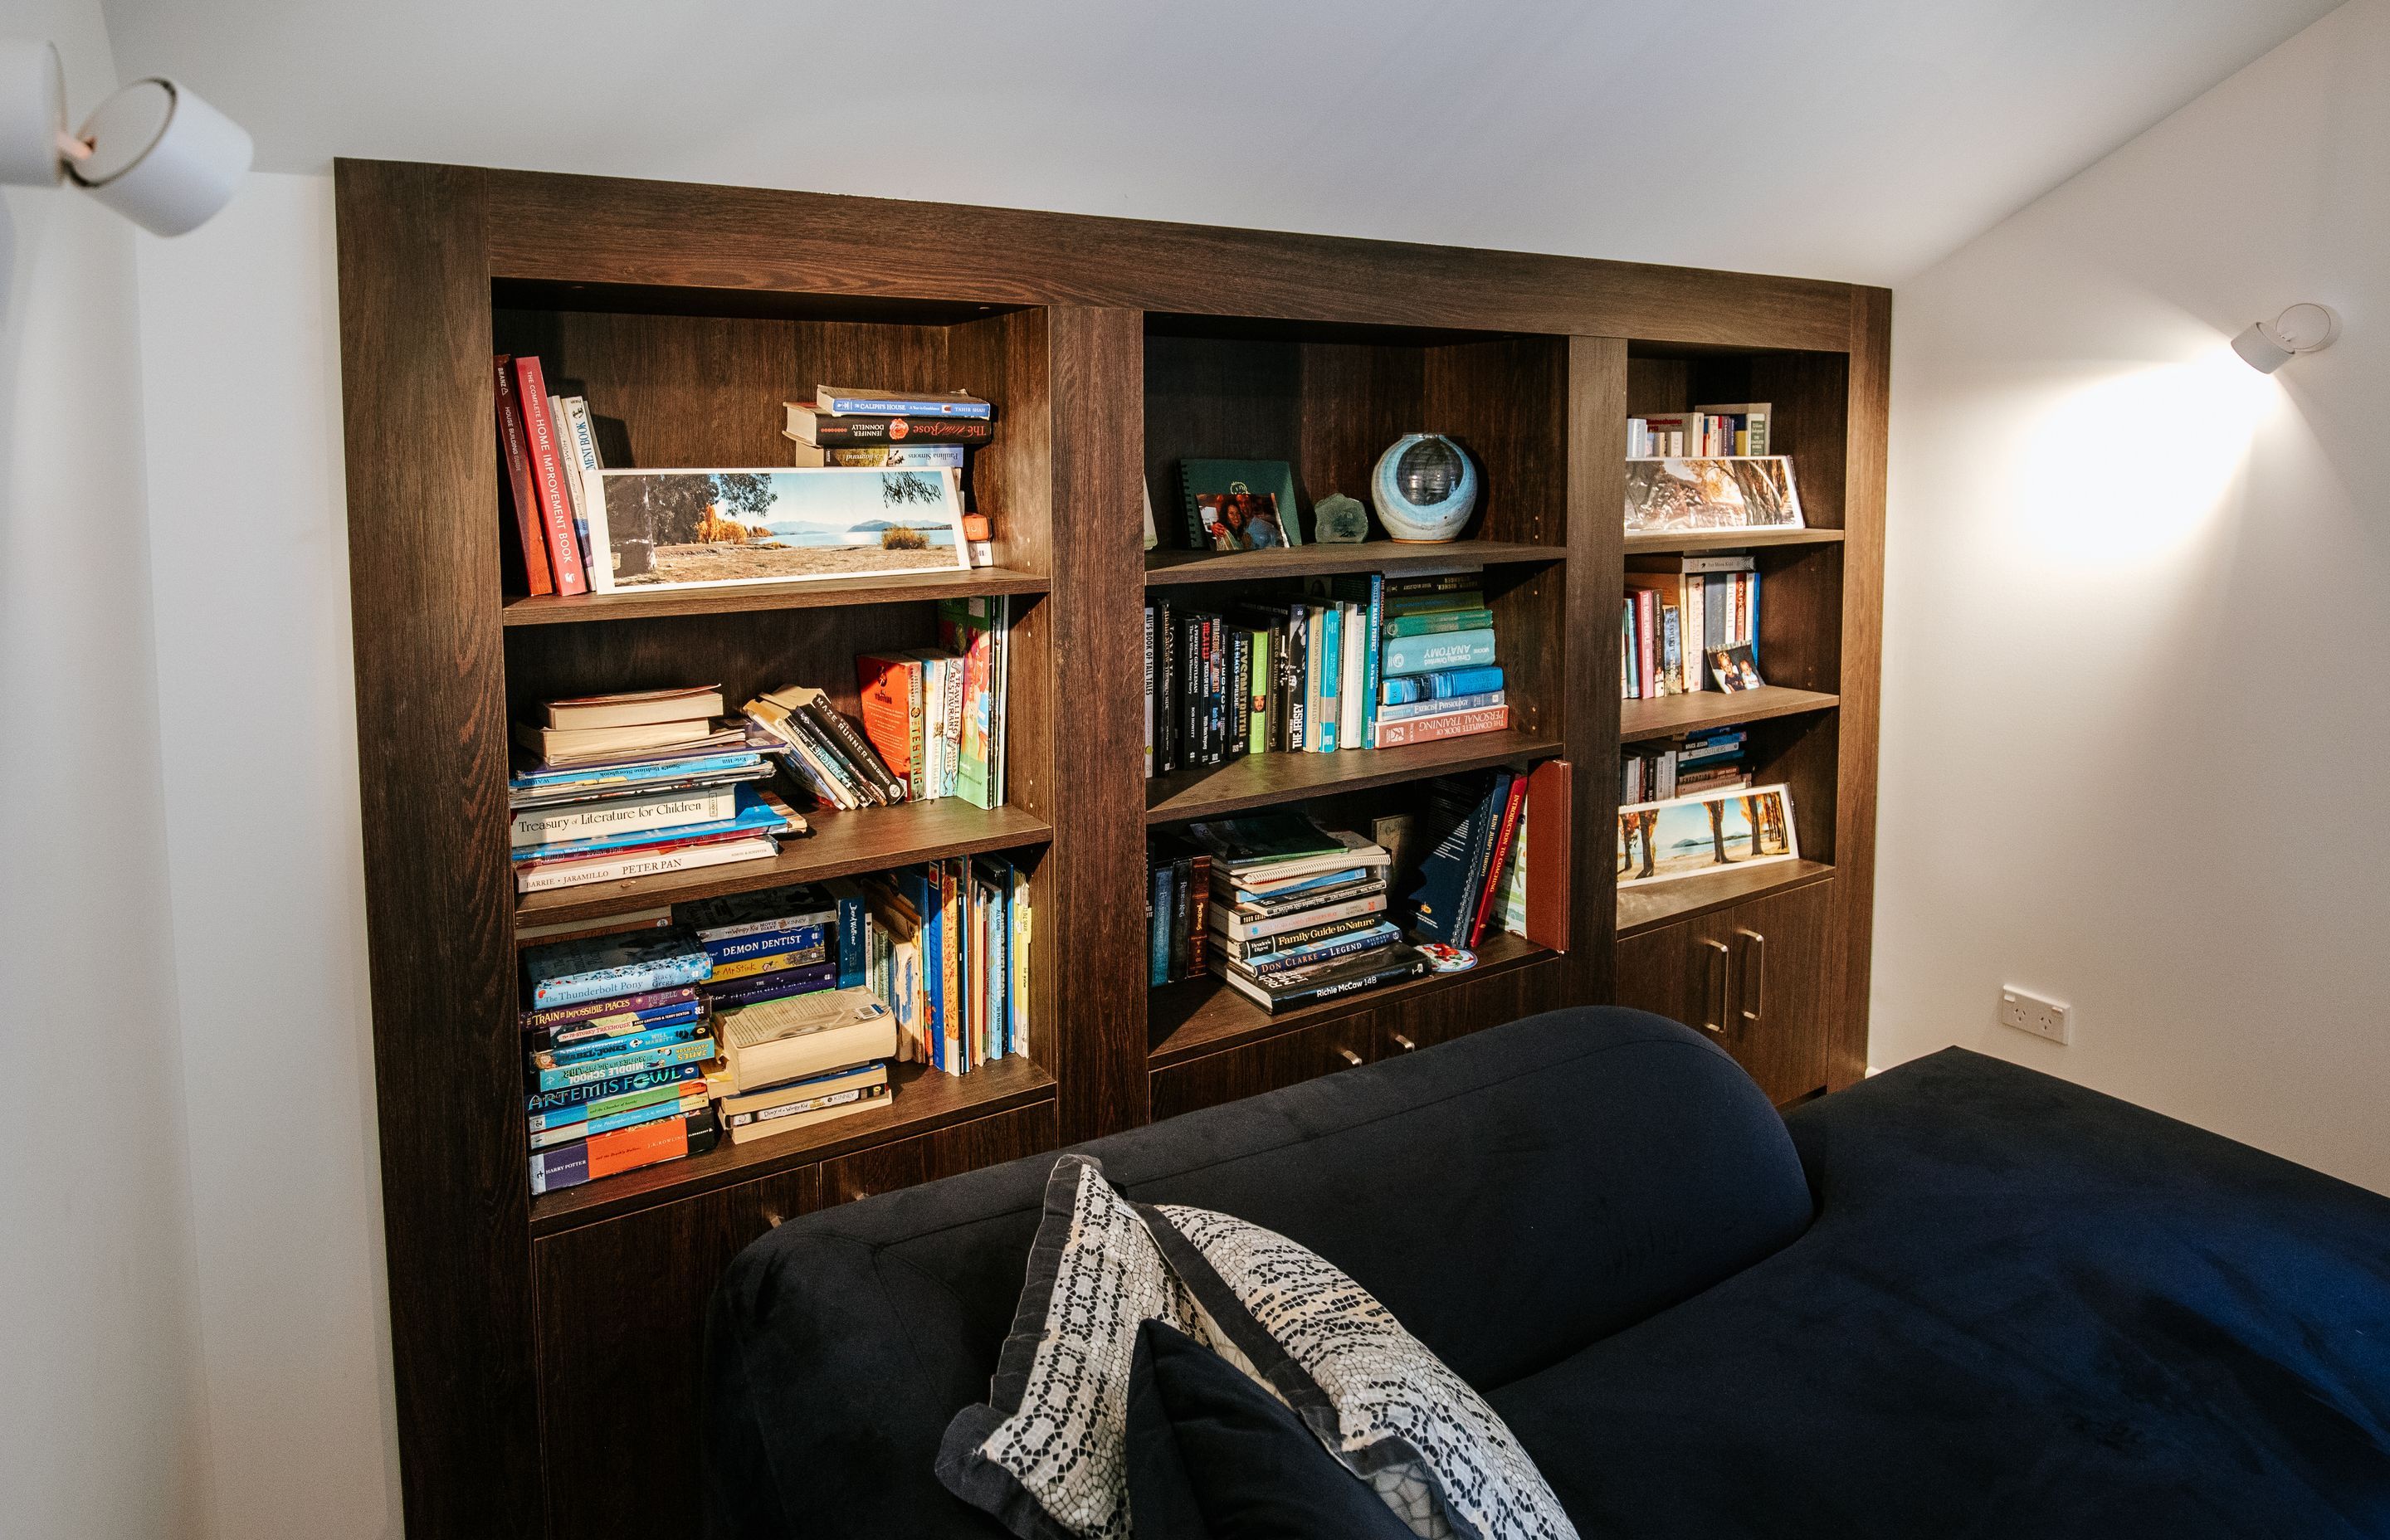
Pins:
<point x="1383" y="1403"/>
<point x="1048" y="1453"/>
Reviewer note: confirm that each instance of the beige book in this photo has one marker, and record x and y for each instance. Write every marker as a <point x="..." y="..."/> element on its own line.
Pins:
<point x="797" y="1035"/>
<point x="864" y="1101"/>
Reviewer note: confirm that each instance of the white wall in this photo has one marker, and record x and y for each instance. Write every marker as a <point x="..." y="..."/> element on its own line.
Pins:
<point x="101" y="1424"/>
<point x="249" y="533"/>
<point x="2137" y="697"/>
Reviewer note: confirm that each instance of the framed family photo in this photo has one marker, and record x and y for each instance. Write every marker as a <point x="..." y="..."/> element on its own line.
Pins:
<point x="696" y="528"/>
<point x="1690" y="836"/>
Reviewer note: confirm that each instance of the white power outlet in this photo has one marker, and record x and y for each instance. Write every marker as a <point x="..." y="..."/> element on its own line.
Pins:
<point x="2049" y="1019"/>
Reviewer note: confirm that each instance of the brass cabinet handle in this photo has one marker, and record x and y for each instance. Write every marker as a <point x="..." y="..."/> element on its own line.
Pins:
<point x="1402" y="1043"/>
<point x="1715" y="956"/>
<point x="1348" y="1056"/>
<point x="772" y="1218"/>
<point x="1755" y="977"/>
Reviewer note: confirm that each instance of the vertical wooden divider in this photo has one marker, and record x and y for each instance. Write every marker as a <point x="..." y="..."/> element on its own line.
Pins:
<point x="431" y="761"/>
<point x="1595" y="426"/>
<point x="1866" y="421"/>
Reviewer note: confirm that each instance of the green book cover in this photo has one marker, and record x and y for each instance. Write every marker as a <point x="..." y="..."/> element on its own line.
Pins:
<point x="1427" y="654"/>
<point x="1258" y="706"/>
<point x="1214" y="478"/>
<point x="1431" y="623"/>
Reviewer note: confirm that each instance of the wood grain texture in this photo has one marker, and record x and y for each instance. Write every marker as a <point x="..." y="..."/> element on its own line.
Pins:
<point x="1095" y="962"/>
<point x="1170" y="568"/>
<point x="947" y="1152"/>
<point x="1267" y="780"/>
<point x="632" y="604"/>
<point x="1642" y="909"/>
<point x="1598" y="387"/>
<point x="1755" y="976"/>
<point x="922" y="1102"/>
<point x="619" y="1367"/>
<point x="1863" y="506"/>
<point x="1673" y="715"/>
<point x="423" y="564"/>
<point x="609" y="230"/>
<point x="1324" y="1048"/>
<point x="1693" y="541"/>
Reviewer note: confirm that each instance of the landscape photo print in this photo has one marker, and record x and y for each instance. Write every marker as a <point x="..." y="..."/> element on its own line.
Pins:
<point x="1690" y="836"/>
<point x="680" y="529"/>
<point x="1679" y="493"/>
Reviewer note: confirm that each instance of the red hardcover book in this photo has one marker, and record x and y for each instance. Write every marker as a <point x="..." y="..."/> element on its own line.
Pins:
<point x="1431" y="729"/>
<point x="1547" y="854"/>
<point x="515" y="458"/>
<point x="547" y="469"/>
<point x="1494" y="868"/>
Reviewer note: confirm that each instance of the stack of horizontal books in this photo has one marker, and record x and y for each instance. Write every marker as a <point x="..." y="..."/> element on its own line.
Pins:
<point x="619" y="786"/>
<point x="1298" y="914"/>
<point x="616" y="1038"/>
<point x="1437" y="660"/>
<point x="868" y="429"/>
<point x="800" y="1059"/>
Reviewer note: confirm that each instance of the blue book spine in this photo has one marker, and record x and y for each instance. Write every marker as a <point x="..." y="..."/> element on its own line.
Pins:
<point x="664" y="770"/>
<point x="1451" y="650"/>
<point x="1332" y="670"/>
<point x="1325" y="951"/>
<point x="883" y="406"/>
<point x="586" y="1128"/>
<point x="733" y="948"/>
<point x="754" y="814"/>
<point x="609" y="1047"/>
<point x="599" y="1029"/>
<point x="1444" y="685"/>
<point x="629" y="979"/>
<point x="599" y="1071"/>
<point x="1371" y="672"/>
<point x="853" y="958"/>
<point x="1754" y="620"/>
<point x="999" y="959"/>
<point x="1157" y="930"/>
<point x="1437" y="707"/>
<point x="605" y="1090"/>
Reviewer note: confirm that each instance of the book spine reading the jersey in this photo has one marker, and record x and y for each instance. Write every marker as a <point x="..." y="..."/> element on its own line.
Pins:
<point x="521" y="486"/>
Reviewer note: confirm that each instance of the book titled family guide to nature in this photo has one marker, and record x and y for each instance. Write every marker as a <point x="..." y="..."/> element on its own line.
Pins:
<point x="694" y="529"/>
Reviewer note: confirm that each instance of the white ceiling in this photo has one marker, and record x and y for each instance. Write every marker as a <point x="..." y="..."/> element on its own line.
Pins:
<point x="1855" y="139"/>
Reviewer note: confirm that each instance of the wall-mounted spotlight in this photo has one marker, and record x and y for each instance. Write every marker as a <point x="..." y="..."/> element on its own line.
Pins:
<point x="154" y="152"/>
<point x="2267" y="345"/>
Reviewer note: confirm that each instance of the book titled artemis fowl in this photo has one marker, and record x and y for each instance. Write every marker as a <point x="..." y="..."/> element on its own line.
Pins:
<point x="598" y="968"/>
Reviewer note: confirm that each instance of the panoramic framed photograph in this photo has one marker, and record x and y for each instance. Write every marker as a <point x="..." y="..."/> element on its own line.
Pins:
<point x="1688" y="836"/>
<point x="698" y="528"/>
<point x="1751" y="493"/>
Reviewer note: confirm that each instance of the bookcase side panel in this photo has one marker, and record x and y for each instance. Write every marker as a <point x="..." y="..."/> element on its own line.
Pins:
<point x="1599" y="392"/>
<point x="1090" y="922"/>
<point x="423" y="558"/>
<point x="1867" y="419"/>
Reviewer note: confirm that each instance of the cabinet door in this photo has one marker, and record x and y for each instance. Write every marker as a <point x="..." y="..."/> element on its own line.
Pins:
<point x="1466" y="1006"/>
<point x="946" y="1153"/>
<point x="622" y="1323"/>
<point x="1757" y="977"/>
<point x="1296" y="1056"/>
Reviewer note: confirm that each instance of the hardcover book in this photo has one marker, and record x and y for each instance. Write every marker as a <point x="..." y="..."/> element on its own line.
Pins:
<point x="572" y="971"/>
<point x="844" y="401"/>
<point x="810" y="425"/>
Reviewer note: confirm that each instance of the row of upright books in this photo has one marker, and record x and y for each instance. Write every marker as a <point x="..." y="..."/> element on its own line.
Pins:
<point x="547" y="450"/>
<point x="1712" y="759"/>
<point x="1679" y="612"/>
<point x="755" y="1015"/>
<point x="1706" y="433"/>
<point x="1349" y="662"/>
<point x="936" y="715"/>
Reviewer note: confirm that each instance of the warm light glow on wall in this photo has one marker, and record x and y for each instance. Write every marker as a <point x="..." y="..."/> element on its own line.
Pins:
<point x="2132" y="466"/>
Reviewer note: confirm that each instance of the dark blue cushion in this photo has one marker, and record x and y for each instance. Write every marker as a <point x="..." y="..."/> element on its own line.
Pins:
<point x="1510" y="1196"/>
<point x="2025" y="1309"/>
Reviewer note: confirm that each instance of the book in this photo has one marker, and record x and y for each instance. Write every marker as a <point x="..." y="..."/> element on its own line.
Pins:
<point x="569" y="972"/>
<point x="806" y="1114"/>
<point x="809" y="425"/>
<point x="850" y="739"/>
<point x="548" y="876"/>
<point x="843" y="400"/>
<point x="612" y="1046"/>
<point x="624" y="1150"/>
<point x="753" y="812"/>
<point x="1274" y="478"/>
<point x="1513" y="802"/>
<point x="1365" y="970"/>
<point x="1437" y="708"/>
<point x="602" y="925"/>
<point x="605" y="1006"/>
<point x="1442" y="901"/>
<point x="636" y="709"/>
<point x="670" y="1107"/>
<point x="1443" y="724"/>
<point x="1428" y="622"/>
<point x="583" y="1114"/>
<point x="1747" y="421"/>
<point x="521" y="488"/>
<point x="569" y="470"/>
<point x="564" y="745"/>
<point x="613" y="1027"/>
<point x="1440" y="685"/>
<point x="795" y="908"/>
<point x="610" y="1067"/>
<point x="805" y="1035"/>
<point x="548" y="1102"/>
<point x="1237" y="928"/>
<point x="1265" y="965"/>
<point x="547" y="475"/>
<point x="1296" y="938"/>
<point x="890" y="687"/>
<point x="581" y="461"/>
<point x="754" y="988"/>
<point x="885" y="457"/>
<point x="733" y="1104"/>
<point x="1436" y="653"/>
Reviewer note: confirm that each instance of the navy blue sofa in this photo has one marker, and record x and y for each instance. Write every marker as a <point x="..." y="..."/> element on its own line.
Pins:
<point x="1959" y="1299"/>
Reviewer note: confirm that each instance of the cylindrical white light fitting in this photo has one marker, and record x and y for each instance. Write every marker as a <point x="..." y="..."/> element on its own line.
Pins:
<point x="33" y="113"/>
<point x="2305" y="327"/>
<point x="163" y="158"/>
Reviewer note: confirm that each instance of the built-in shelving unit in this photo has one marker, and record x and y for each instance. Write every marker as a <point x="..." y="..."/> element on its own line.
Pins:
<point x="546" y="1350"/>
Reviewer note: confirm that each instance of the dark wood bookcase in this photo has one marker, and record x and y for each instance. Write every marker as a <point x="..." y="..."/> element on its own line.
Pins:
<point x="547" y="1349"/>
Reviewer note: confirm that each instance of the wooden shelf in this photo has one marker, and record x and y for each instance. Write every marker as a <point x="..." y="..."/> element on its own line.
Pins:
<point x="871" y="839"/>
<point x="1169" y="568"/>
<point x="1262" y="780"/>
<point x="635" y="604"/>
<point x="1673" y="715"/>
<point x="1201" y="1016"/>
<point x="1648" y="908"/>
<point x="1727" y="540"/>
<point x="922" y="1099"/>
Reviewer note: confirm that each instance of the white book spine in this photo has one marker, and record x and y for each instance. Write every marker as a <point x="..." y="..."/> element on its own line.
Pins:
<point x="1348" y="726"/>
<point x="574" y="874"/>
<point x="1247" y="929"/>
<point x="590" y="820"/>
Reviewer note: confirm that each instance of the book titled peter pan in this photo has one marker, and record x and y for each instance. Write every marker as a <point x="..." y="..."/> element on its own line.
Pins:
<point x="700" y="529"/>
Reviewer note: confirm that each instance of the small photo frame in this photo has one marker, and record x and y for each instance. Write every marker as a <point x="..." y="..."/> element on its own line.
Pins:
<point x="1694" y="836"/>
<point x="1734" y="668"/>
<point x="1240" y="520"/>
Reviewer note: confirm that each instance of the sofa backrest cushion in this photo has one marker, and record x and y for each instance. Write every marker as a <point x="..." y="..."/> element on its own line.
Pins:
<point x="1510" y="1197"/>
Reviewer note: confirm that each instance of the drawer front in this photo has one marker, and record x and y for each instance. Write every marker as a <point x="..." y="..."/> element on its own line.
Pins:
<point x="946" y="1153"/>
<point x="621" y="1325"/>
<point x="1470" y="1005"/>
<point x="1304" y="1054"/>
<point x="1758" y="977"/>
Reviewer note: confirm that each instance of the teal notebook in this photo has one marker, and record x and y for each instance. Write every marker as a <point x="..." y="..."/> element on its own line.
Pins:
<point x="1216" y="477"/>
